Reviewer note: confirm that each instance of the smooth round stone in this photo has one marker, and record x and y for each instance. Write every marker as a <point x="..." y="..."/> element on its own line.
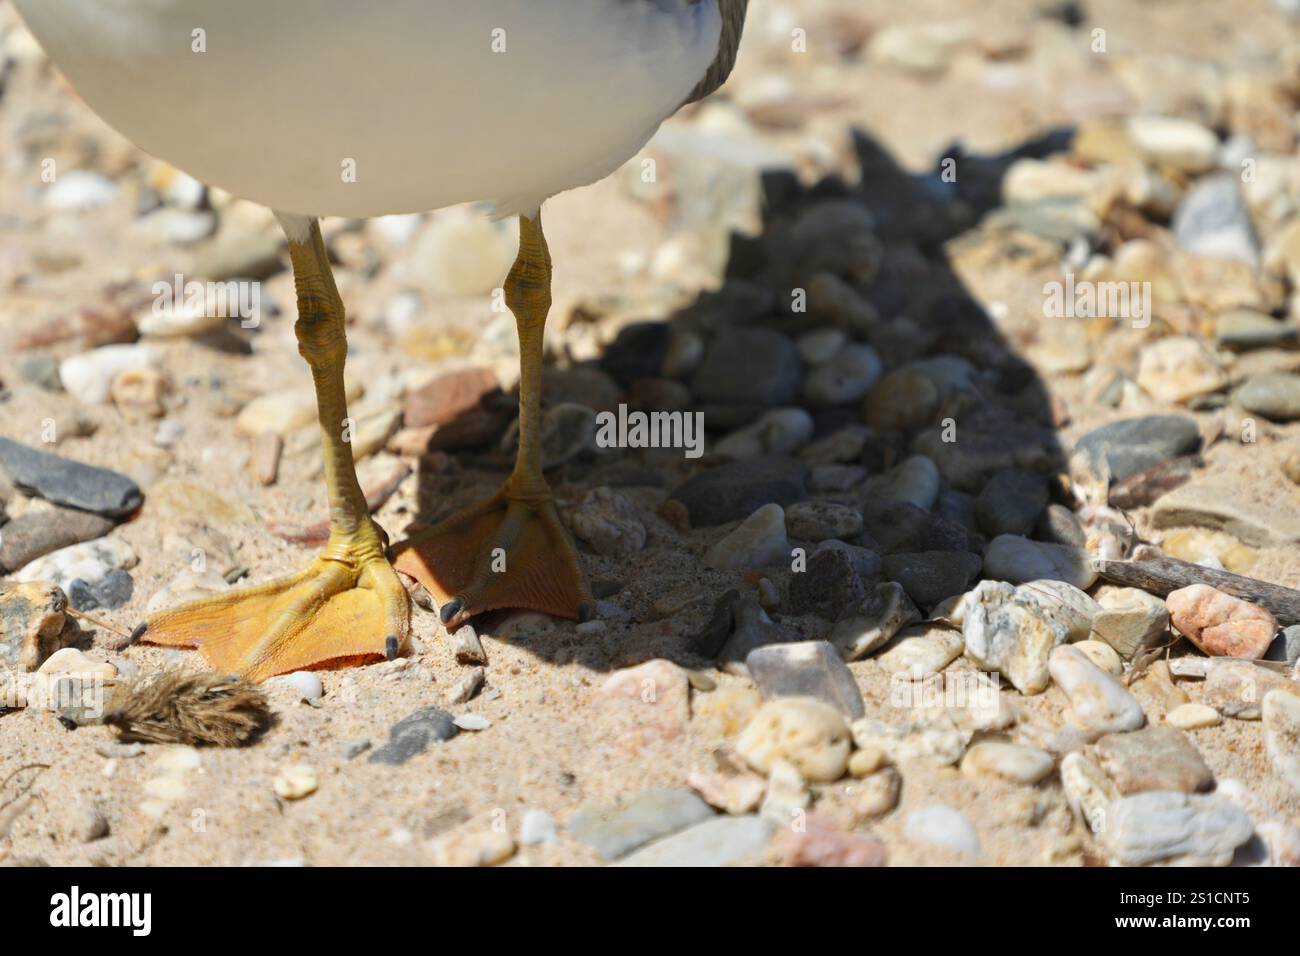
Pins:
<point x="1103" y="655"/>
<point x="807" y="733"/>
<point x="1178" y="369"/>
<point x="1098" y="701"/>
<point x="1245" y="329"/>
<point x="1124" y="448"/>
<point x="781" y="431"/>
<point x="1220" y="624"/>
<point x="88" y="377"/>
<point x="942" y="826"/>
<point x="821" y="345"/>
<point x="903" y="400"/>
<point x="914" y="481"/>
<point x="684" y="354"/>
<point x="758" y="542"/>
<point x="1170" y="141"/>
<point x="1013" y="762"/>
<point x="295" y="781"/>
<point x="930" y="576"/>
<point x="1011" y="502"/>
<point x="77" y="190"/>
<point x="1017" y="560"/>
<point x="305" y="684"/>
<point x="733" y="491"/>
<point x="1193" y="717"/>
<point x="820" y="520"/>
<point x="847" y="377"/>
<point x="749" y="366"/>
<point x="922" y="650"/>
<point x="1275" y="396"/>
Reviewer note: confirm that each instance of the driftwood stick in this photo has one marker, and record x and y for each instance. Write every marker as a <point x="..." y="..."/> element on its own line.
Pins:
<point x="1163" y="574"/>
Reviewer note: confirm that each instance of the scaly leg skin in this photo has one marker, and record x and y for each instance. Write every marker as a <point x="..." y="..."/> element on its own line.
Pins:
<point x="510" y="551"/>
<point x="348" y="606"/>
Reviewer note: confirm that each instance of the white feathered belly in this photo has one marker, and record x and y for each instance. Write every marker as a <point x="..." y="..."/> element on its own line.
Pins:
<point x="352" y="108"/>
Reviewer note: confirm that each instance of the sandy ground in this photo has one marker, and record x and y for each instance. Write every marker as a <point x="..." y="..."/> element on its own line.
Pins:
<point x="551" y="745"/>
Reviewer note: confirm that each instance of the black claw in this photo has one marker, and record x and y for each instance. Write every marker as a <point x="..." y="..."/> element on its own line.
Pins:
<point x="451" y="609"/>
<point x="585" y="611"/>
<point x="390" y="647"/>
<point x="139" y="631"/>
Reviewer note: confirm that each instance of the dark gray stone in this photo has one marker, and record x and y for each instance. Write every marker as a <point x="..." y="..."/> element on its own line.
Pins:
<point x="1059" y="525"/>
<point x="900" y="526"/>
<point x="806" y="669"/>
<point x="1011" y="502"/>
<point x="112" y="592"/>
<point x="829" y="584"/>
<point x="412" y="735"/>
<point x="1135" y="444"/>
<point x="70" y="483"/>
<point x="1286" y="647"/>
<point x="736" y="490"/>
<point x="930" y="576"/>
<point x="749" y="366"/>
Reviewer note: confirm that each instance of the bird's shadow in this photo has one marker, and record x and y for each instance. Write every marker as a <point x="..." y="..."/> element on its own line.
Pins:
<point x="660" y="603"/>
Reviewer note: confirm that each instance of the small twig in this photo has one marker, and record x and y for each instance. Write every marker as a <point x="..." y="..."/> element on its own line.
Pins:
<point x="83" y="616"/>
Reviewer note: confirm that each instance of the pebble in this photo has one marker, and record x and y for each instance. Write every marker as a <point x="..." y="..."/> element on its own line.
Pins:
<point x="463" y="847"/>
<point x="537" y="829"/>
<point x="1103" y="655"/>
<point x="787" y="796"/>
<point x="846" y="377"/>
<point x="1124" y="448"/>
<point x="472" y="722"/>
<point x="873" y="621"/>
<point x="1154" y="758"/>
<point x="1004" y="761"/>
<point x="295" y="781"/>
<point x="729" y="709"/>
<point x="659" y="693"/>
<point x="903" y="400"/>
<point x="1099" y="703"/>
<point x="305" y="685"/>
<point x="806" y="669"/>
<point x="941" y="826"/>
<point x="803" y="730"/>
<point x="1187" y="829"/>
<point x="89" y="377"/>
<point x="1235" y="688"/>
<point x="819" y="520"/>
<point x="771" y="373"/>
<point x="79" y="190"/>
<point x="1217" y="501"/>
<point x="1193" y="717"/>
<point x="469" y="684"/>
<point x="781" y="431"/>
<point x="1274" y="396"/>
<point x="1169" y="141"/>
<point x="91" y="563"/>
<point x="1285" y="647"/>
<point x="1245" y="329"/>
<point x="722" y="841"/>
<point x="915" y="481"/>
<point x="1178" y="369"/>
<point x="36" y="533"/>
<point x="615" y="829"/>
<point x="735" y="490"/>
<point x="821" y="345"/>
<point x="69" y="483"/>
<point x="1220" y="624"/>
<point x="1011" y="631"/>
<point x="899" y="526"/>
<point x="922" y="650"/>
<point x="1130" y="620"/>
<point x="931" y="739"/>
<point x="412" y="735"/>
<point x="1281" y="719"/>
<point x="929" y="577"/>
<point x="609" y="522"/>
<point x="1087" y="789"/>
<point x="877" y="793"/>
<point x="733" y="793"/>
<point x="1213" y="220"/>
<point x="1017" y="560"/>
<point x="758" y="542"/>
<point x="1011" y="502"/>
<point x="821" y="844"/>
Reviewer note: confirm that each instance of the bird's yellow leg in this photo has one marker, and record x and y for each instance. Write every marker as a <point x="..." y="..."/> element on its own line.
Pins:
<point x="510" y="551"/>
<point x="347" y="605"/>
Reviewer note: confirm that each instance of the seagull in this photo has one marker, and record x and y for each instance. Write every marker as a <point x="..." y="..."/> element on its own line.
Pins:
<point x="340" y="108"/>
